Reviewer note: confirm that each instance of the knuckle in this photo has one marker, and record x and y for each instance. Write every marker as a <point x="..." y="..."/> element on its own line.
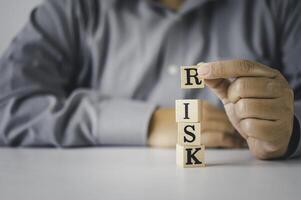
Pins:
<point x="241" y="107"/>
<point x="235" y="90"/>
<point x="240" y="86"/>
<point x="247" y="125"/>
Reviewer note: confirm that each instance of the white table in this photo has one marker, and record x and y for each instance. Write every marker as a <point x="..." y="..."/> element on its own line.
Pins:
<point x="142" y="173"/>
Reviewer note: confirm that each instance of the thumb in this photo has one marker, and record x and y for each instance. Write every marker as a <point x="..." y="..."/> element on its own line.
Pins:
<point x="219" y="87"/>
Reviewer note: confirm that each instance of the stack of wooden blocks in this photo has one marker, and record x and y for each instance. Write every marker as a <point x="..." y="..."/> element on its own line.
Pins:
<point x="190" y="150"/>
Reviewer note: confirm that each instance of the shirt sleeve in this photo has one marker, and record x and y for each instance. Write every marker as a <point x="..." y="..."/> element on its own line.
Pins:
<point x="40" y="101"/>
<point x="295" y="145"/>
<point x="288" y="17"/>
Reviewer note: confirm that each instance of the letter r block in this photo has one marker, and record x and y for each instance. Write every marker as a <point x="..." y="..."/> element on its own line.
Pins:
<point x="188" y="110"/>
<point x="190" y="77"/>
<point x="189" y="134"/>
<point x="190" y="156"/>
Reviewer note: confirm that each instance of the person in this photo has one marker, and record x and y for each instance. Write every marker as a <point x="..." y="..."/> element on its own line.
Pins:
<point x="93" y="72"/>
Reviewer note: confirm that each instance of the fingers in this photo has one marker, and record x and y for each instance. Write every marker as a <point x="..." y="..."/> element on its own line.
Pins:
<point x="219" y="87"/>
<point x="266" y="109"/>
<point x="235" y="68"/>
<point x="258" y="103"/>
<point x="212" y="112"/>
<point x="255" y="87"/>
<point x="215" y="119"/>
<point x="264" y="129"/>
<point x="219" y="139"/>
<point x="266" y="150"/>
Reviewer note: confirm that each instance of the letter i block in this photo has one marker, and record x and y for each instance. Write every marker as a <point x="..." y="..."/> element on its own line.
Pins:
<point x="190" y="156"/>
<point x="190" y="77"/>
<point x="189" y="134"/>
<point x="188" y="110"/>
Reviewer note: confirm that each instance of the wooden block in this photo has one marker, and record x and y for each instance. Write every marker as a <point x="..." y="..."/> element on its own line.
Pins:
<point x="193" y="156"/>
<point x="190" y="78"/>
<point x="188" y="110"/>
<point x="189" y="134"/>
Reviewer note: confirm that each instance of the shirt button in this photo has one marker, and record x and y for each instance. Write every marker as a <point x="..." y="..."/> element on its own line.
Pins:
<point x="172" y="69"/>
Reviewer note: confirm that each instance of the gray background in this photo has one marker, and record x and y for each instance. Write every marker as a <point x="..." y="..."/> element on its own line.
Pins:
<point x="13" y="15"/>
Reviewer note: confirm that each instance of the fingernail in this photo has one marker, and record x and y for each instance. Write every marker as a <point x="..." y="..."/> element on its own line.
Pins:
<point x="203" y="70"/>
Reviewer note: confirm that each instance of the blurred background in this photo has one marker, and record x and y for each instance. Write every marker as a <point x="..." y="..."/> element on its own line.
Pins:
<point x="13" y="15"/>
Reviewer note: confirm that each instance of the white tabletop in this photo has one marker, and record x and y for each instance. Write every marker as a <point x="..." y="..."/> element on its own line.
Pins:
<point x="142" y="173"/>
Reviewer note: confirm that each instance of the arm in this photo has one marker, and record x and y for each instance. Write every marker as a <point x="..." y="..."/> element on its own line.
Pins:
<point x="40" y="102"/>
<point x="216" y="129"/>
<point x="263" y="104"/>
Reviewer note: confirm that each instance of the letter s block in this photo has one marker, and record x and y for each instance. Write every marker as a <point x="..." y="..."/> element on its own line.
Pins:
<point x="188" y="110"/>
<point x="190" y="77"/>
<point x="189" y="134"/>
<point x="190" y="156"/>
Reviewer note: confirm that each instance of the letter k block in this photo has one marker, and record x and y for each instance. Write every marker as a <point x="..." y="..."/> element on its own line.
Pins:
<point x="190" y="156"/>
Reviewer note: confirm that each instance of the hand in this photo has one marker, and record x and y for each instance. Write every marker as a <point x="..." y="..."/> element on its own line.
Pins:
<point x="259" y="103"/>
<point x="163" y="128"/>
<point x="216" y="129"/>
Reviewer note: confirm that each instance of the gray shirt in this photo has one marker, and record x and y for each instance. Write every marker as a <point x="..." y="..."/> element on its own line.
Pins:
<point x="91" y="72"/>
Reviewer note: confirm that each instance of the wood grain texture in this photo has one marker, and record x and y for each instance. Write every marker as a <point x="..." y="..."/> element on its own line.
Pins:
<point x="190" y="156"/>
<point x="189" y="134"/>
<point x="188" y="110"/>
<point x="190" y="78"/>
